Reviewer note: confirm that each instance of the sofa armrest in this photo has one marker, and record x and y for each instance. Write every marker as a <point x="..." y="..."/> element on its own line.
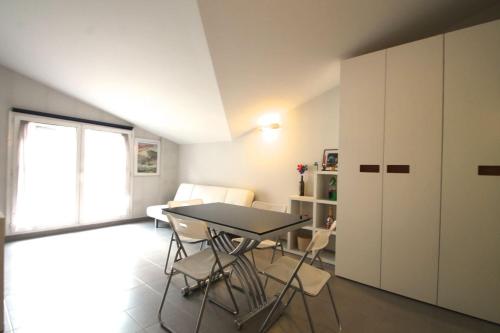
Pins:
<point x="155" y="212"/>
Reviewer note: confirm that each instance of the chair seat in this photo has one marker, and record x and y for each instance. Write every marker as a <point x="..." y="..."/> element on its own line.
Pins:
<point x="265" y="244"/>
<point x="313" y="279"/>
<point x="199" y="265"/>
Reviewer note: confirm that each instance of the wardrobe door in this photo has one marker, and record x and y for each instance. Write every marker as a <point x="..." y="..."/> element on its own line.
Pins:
<point x="469" y="266"/>
<point x="412" y="172"/>
<point x="360" y="158"/>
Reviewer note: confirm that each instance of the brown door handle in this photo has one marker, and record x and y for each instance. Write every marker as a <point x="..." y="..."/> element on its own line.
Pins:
<point x="488" y="170"/>
<point x="369" y="168"/>
<point x="398" y="168"/>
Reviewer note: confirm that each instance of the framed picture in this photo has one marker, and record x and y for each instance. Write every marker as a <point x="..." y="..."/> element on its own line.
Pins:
<point x="330" y="159"/>
<point x="147" y="157"/>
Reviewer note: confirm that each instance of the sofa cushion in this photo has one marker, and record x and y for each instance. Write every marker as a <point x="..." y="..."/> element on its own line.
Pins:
<point x="184" y="192"/>
<point x="237" y="196"/>
<point x="209" y="194"/>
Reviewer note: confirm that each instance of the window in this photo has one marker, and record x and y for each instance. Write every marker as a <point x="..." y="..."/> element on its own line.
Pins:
<point x="105" y="176"/>
<point x="66" y="173"/>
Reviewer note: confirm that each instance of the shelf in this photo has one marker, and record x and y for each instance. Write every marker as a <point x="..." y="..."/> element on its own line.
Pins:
<point x="328" y="257"/>
<point x="303" y="198"/>
<point x="327" y="172"/>
<point x="298" y="252"/>
<point x="326" y="202"/>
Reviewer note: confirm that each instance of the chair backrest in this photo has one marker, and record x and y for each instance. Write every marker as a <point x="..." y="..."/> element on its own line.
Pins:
<point x="190" y="228"/>
<point x="270" y="206"/>
<point x="182" y="203"/>
<point x="185" y="227"/>
<point x="321" y="238"/>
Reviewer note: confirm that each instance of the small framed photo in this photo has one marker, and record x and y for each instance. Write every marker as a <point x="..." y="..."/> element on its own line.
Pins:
<point x="147" y="157"/>
<point x="330" y="159"/>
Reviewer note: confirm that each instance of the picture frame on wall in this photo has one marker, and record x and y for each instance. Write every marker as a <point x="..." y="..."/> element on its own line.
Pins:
<point x="147" y="157"/>
<point x="330" y="159"/>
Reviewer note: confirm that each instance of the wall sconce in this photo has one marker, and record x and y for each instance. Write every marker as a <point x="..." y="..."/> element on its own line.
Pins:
<point x="269" y="126"/>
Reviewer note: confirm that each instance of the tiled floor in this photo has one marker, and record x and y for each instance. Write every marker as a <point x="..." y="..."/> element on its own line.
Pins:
<point x="111" y="280"/>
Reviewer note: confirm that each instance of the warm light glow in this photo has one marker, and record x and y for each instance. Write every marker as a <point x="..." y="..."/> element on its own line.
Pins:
<point x="270" y="118"/>
<point x="270" y="125"/>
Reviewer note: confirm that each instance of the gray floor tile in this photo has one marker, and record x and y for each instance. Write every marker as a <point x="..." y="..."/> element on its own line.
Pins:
<point x="111" y="280"/>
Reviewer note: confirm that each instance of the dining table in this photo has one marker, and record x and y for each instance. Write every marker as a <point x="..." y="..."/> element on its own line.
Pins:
<point x="254" y="225"/>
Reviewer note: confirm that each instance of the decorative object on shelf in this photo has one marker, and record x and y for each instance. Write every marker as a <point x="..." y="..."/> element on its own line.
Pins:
<point x="303" y="240"/>
<point x="329" y="220"/>
<point x="301" y="168"/>
<point x="330" y="159"/>
<point x="332" y="189"/>
<point x="147" y="157"/>
<point x="316" y="165"/>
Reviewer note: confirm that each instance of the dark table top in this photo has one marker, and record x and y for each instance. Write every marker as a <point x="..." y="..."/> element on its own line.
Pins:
<point x="243" y="221"/>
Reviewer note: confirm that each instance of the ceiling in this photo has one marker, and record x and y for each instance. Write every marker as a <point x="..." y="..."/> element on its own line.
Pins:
<point x="204" y="71"/>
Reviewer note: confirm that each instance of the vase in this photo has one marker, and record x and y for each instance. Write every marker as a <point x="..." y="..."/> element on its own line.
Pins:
<point x="301" y="183"/>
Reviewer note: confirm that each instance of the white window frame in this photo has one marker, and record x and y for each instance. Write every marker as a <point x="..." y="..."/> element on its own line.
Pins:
<point x="12" y="158"/>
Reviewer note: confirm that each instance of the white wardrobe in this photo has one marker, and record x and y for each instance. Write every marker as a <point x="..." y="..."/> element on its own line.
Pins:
<point x="416" y="121"/>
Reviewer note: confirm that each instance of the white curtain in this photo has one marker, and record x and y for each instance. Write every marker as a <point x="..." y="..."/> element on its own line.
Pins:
<point x="46" y="193"/>
<point x="105" y="180"/>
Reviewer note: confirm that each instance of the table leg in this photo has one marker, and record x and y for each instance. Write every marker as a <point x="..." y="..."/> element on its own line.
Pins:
<point x="248" y="276"/>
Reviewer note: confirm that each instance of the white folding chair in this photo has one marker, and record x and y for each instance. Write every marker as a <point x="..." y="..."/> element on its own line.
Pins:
<point x="204" y="267"/>
<point x="187" y="240"/>
<point x="300" y="276"/>
<point x="267" y="243"/>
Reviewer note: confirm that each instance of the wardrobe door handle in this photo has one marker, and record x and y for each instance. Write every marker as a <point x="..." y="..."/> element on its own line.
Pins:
<point x="488" y="170"/>
<point x="375" y="168"/>
<point x="398" y="168"/>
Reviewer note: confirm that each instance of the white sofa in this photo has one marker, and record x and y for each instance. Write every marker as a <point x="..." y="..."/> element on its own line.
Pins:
<point x="208" y="194"/>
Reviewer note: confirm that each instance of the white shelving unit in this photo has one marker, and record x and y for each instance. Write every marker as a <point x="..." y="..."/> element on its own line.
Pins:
<point x="316" y="206"/>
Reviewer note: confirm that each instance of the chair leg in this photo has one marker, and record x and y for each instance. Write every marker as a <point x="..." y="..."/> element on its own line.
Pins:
<point x="282" y="250"/>
<point x="334" y="307"/>
<point x="163" y="300"/>
<point x="272" y="260"/>
<point x="156" y="223"/>
<point x="253" y="258"/>
<point x="165" y="270"/>
<point x="205" y="297"/>
<point x="226" y="280"/>
<point x="307" y="311"/>
<point x="273" y="310"/>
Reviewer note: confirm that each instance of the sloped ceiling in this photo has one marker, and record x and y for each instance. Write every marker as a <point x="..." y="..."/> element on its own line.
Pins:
<point x="204" y="71"/>
<point x="144" y="61"/>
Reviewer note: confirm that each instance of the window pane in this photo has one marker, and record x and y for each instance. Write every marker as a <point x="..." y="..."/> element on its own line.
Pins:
<point x="47" y="177"/>
<point x="105" y="187"/>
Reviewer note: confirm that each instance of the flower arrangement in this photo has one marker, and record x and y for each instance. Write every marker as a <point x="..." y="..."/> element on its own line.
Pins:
<point x="301" y="168"/>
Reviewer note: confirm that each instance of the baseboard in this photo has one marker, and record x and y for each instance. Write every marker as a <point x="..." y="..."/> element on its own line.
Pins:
<point x="45" y="233"/>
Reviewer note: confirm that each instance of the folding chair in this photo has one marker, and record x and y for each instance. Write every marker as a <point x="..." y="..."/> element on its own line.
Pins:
<point x="204" y="267"/>
<point x="267" y="243"/>
<point x="300" y="276"/>
<point x="187" y="240"/>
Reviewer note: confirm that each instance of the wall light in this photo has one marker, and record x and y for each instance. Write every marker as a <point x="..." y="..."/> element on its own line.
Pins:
<point x="270" y="125"/>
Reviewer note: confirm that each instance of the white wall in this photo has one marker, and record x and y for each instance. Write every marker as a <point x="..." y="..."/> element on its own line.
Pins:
<point x="19" y="91"/>
<point x="267" y="168"/>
